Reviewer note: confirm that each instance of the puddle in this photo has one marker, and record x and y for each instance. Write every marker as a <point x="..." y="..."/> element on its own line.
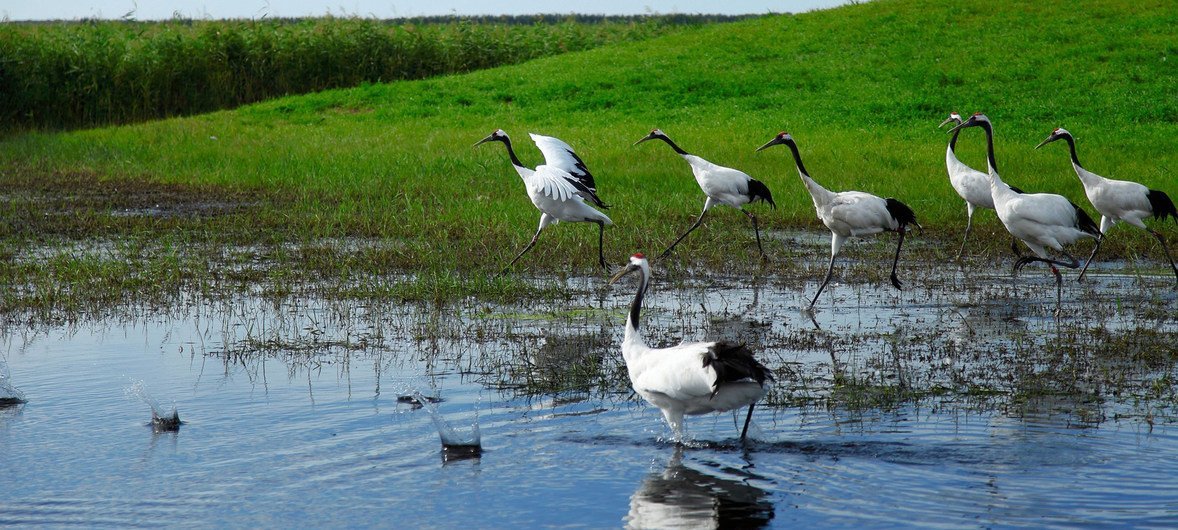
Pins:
<point x="961" y="401"/>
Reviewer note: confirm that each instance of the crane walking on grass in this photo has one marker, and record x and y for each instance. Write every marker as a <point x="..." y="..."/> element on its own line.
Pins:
<point x="972" y="185"/>
<point x="1040" y="220"/>
<point x="691" y="378"/>
<point x="722" y="185"/>
<point x="559" y="188"/>
<point x="1118" y="200"/>
<point x="850" y="213"/>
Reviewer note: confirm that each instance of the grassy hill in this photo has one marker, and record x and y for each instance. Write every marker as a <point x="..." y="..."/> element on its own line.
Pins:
<point x="862" y="89"/>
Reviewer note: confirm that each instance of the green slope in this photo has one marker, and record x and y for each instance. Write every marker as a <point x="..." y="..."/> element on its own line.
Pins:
<point x="861" y="88"/>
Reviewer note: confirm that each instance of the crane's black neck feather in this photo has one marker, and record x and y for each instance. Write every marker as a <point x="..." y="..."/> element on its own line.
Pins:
<point x="953" y="141"/>
<point x="1072" y="146"/>
<point x="793" y="147"/>
<point x="759" y="191"/>
<point x="636" y="305"/>
<point x="671" y="143"/>
<point x="734" y="362"/>
<point x="989" y="144"/>
<point x="1161" y="204"/>
<point x="900" y="212"/>
<point x="511" y="152"/>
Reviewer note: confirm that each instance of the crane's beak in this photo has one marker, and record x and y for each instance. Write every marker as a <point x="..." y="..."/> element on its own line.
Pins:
<point x="960" y="126"/>
<point x="650" y="136"/>
<point x="1049" y="139"/>
<point x="630" y="268"/>
<point x="777" y="140"/>
<point x="947" y="120"/>
<point x="490" y="138"/>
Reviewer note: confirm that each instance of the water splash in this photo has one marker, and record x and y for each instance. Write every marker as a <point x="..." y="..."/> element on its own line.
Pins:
<point x="9" y="395"/>
<point x="456" y="443"/>
<point x="161" y="419"/>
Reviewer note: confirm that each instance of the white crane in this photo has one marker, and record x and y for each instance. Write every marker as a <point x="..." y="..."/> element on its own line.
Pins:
<point x="691" y="378"/>
<point x="558" y="189"/>
<point x="972" y="185"/>
<point x="1039" y="220"/>
<point x="722" y="185"/>
<point x="1118" y="200"/>
<point x="850" y="213"/>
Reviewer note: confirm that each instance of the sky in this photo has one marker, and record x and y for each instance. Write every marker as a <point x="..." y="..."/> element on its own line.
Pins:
<point x="215" y="9"/>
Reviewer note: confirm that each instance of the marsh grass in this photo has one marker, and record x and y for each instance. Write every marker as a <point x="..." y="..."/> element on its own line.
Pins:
<point x="375" y="191"/>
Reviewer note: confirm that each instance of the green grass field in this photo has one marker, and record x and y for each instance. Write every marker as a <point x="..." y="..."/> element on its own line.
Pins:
<point x="862" y="89"/>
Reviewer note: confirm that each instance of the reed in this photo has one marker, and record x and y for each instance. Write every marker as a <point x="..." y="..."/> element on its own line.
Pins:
<point x="88" y="73"/>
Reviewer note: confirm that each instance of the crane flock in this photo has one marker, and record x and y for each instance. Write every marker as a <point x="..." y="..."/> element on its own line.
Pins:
<point x="703" y="377"/>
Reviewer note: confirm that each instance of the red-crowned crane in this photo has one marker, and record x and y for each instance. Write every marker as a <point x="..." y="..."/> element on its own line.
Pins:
<point x="1118" y="200"/>
<point x="850" y="213"/>
<point x="558" y="189"/>
<point x="1039" y="220"/>
<point x="691" y="378"/>
<point x="972" y="185"/>
<point x="722" y="185"/>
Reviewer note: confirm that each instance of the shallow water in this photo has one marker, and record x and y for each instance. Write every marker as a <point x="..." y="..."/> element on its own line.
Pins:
<point x="292" y="417"/>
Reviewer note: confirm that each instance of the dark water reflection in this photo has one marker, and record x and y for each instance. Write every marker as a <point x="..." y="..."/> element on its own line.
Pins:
<point x="684" y="497"/>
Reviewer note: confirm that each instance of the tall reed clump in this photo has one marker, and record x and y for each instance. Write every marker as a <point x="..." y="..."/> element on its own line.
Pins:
<point x="78" y="74"/>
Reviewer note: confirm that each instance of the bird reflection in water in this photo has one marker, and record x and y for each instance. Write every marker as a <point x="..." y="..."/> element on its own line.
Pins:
<point x="682" y="497"/>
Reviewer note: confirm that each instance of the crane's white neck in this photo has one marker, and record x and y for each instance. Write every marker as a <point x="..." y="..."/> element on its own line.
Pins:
<point x="818" y="194"/>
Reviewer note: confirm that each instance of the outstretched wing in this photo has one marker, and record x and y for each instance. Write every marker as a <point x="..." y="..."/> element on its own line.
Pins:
<point x="561" y="155"/>
<point x="555" y="183"/>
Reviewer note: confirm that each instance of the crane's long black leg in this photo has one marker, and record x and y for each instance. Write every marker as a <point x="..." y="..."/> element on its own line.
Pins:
<point x="1099" y="240"/>
<point x="757" y="231"/>
<point x="829" y="272"/>
<point x="747" y="419"/>
<point x="600" y="244"/>
<point x="693" y="227"/>
<point x="1023" y="261"/>
<point x="1167" y="251"/>
<point x="896" y="260"/>
<point x="1058" y="289"/>
<point x="968" y="227"/>
<point x="1074" y="264"/>
<point x="1014" y="247"/>
<point x="527" y="248"/>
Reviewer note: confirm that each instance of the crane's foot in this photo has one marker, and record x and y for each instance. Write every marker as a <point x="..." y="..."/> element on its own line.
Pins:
<point x="896" y="282"/>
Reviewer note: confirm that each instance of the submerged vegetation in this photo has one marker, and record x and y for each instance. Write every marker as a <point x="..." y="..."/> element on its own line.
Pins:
<point x="373" y="195"/>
